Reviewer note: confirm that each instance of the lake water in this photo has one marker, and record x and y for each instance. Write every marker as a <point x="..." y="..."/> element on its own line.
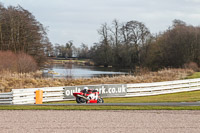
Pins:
<point x="77" y="71"/>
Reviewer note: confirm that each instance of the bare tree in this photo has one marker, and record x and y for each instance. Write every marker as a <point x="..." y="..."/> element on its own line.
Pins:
<point x="121" y="44"/>
<point x="69" y="49"/>
<point x="83" y="51"/>
<point x="105" y="45"/>
<point x="135" y="35"/>
<point x="20" y="31"/>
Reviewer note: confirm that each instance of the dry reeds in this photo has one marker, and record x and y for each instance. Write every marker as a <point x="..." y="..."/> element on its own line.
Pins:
<point x="10" y="80"/>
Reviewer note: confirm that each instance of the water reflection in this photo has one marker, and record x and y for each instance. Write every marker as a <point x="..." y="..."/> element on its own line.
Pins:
<point x="77" y="71"/>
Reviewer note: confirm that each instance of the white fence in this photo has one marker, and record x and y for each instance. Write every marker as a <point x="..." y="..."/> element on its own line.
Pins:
<point x="27" y="96"/>
<point x="6" y="98"/>
<point x="157" y="88"/>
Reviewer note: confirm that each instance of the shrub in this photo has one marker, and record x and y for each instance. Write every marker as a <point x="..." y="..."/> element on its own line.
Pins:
<point x="8" y="61"/>
<point x="20" y="62"/>
<point x="192" y="65"/>
<point x="26" y="63"/>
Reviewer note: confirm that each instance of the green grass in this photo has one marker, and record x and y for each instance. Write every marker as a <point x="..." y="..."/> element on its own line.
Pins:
<point x="195" y="75"/>
<point x="176" y="97"/>
<point x="191" y="96"/>
<point x="78" y="61"/>
<point x="21" y="107"/>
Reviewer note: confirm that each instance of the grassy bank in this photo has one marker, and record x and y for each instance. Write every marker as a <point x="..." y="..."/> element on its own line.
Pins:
<point x="10" y="80"/>
<point x="74" y="61"/>
<point x="20" y="107"/>
<point x="176" y="97"/>
<point x="194" y="75"/>
<point x="191" y="96"/>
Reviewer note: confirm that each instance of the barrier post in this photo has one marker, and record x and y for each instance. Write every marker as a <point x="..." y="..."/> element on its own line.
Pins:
<point x="38" y="96"/>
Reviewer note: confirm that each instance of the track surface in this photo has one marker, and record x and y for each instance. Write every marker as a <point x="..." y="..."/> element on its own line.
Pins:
<point x="52" y="121"/>
<point x="117" y="104"/>
<point x="133" y="104"/>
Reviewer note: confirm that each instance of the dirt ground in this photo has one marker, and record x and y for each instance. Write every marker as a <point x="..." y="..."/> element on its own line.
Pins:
<point x="52" y="121"/>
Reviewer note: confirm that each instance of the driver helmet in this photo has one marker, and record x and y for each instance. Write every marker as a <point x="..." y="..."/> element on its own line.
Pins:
<point x="85" y="89"/>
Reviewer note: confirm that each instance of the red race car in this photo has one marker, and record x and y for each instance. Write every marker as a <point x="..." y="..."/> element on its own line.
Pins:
<point x="88" y="96"/>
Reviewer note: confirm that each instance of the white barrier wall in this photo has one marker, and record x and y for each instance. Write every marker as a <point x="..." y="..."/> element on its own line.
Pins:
<point x="27" y="96"/>
<point x="157" y="88"/>
<point x="6" y="98"/>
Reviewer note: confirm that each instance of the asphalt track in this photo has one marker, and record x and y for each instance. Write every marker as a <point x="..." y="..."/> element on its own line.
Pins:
<point x="122" y="104"/>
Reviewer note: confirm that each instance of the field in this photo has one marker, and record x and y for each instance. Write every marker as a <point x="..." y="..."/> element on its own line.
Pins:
<point x="191" y="96"/>
<point x="176" y="97"/>
<point x="21" y="107"/>
<point x="34" y="79"/>
<point x="195" y="75"/>
<point x="10" y="80"/>
<point x="69" y="61"/>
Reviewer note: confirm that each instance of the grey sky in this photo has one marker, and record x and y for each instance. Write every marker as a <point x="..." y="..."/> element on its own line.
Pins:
<point x="78" y="20"/>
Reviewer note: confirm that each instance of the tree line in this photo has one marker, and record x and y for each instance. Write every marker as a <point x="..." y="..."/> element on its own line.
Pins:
<point x="132" y="45"/>
<point x="177" y="47"/>
<point x="69" y="50"/>
<point x="20" y="32"/>
<point x="121" y="44"/>
<point x="128" y="44"/>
